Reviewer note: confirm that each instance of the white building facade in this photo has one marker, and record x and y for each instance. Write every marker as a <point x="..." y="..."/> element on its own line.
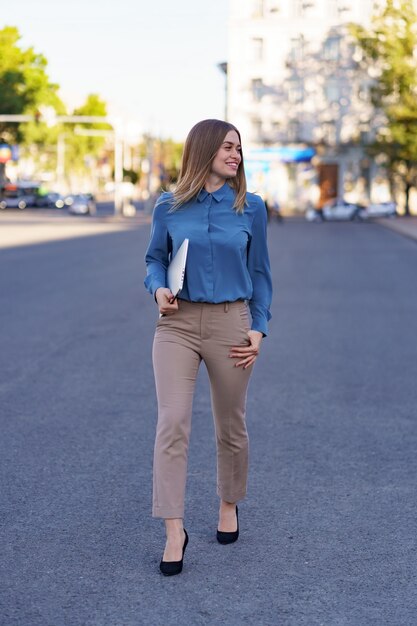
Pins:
<point x="294" y="82"/>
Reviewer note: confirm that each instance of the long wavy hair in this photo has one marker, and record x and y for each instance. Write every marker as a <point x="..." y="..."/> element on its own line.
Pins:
<point x="201" y="146"/>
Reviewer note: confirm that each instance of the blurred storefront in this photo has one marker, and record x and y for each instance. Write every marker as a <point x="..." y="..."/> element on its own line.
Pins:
<point x="282" y="175"/>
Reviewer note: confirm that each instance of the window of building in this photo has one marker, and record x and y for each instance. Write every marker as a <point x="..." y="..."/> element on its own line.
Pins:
<point x="256" y="128"/>
<point x="338" y="8"/>
<point x="332" y="90"/>
<point x="296" y="53"/>
<point x="329" y="133"/>
<point x="334" y="8"/>
<point x="364" y="93"/>
<point x="276" y="128"/>
<point x="259" y="7"/>
<point x="257" y="87"/>
<point x="293" y="130"/>
<point x="300" y="7"/>
<point x="295" y="90"/>
<point x="258" y="48"/>
<point x="331" y="49"/>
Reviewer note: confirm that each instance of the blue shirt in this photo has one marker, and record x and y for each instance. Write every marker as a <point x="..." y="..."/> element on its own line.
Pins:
<point x="227" y="256"/>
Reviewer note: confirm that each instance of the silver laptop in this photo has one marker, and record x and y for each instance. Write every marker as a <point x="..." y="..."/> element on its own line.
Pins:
<point x="176" y="269"/>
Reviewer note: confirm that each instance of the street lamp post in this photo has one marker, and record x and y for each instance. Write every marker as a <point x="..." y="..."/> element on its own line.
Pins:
<point x="60" y="161"/>
<point x="223" y="68"/>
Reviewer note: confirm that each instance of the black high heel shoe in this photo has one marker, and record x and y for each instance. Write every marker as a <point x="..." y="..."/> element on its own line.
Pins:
<point x="171" y="568"/>
<point x="225" y="538"/>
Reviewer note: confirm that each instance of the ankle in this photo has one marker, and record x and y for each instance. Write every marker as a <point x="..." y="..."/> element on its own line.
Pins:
<point x="174" y="525"/>
<point x="227" y="507"/>
<point x="174" y="530"/>
<point x="175" y="539"/>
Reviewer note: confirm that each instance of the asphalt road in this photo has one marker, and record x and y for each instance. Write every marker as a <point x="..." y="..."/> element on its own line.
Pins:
<point x="328" y="530"/>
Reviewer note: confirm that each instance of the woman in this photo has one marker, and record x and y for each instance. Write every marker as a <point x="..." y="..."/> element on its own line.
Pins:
<point x="227" y="267"/>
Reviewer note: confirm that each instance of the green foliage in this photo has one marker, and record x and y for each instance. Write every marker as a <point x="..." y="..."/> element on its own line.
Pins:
<point x="24" y="88"/>
<point x="81" y="149"/>
<point x="168" y="154"/>
<point x="389" y="48"/>
<point x="130" y="176"/>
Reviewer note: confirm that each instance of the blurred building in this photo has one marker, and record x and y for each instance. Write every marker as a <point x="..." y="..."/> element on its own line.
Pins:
<point x="296" y="93"/>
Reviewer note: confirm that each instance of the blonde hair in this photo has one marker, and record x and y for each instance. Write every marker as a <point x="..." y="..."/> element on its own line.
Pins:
<point x="201" y="146"/>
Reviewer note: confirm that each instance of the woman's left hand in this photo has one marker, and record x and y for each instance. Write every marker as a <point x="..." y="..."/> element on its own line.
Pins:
<point x="247" y="354"/>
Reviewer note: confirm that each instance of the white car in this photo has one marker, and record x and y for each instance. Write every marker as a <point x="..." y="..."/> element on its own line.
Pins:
<point x="379" y="209"/>
<point x="336" y="209"/>
<point x="82" y="204"/>
<point x="339" y="209"/>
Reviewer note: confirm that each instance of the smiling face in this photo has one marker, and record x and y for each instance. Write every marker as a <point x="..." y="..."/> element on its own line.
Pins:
<point x="228" y="158"/>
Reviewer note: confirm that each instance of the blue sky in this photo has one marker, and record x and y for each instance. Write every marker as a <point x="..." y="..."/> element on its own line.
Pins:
<point x="154" y="62"/>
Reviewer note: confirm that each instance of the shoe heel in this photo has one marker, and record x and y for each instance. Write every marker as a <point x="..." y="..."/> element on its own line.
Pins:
<point x="171" y="568"/>
<point x="225" y="538"/>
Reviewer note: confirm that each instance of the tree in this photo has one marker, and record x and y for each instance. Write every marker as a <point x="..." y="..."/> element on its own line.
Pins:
<point x="24" y="88"/>
<point x="389" y="51"/>
<point x="83" y="148"/>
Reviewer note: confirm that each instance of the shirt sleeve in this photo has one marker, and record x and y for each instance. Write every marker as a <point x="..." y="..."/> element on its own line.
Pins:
<point x="260" y="271"/>
<point x="158" y="252"/>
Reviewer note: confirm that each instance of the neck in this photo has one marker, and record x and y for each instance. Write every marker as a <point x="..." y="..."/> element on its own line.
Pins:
<point x="213" y="183"/>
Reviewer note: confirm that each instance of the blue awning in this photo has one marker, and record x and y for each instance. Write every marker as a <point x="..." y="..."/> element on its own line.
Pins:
<point x="286" y="154"/>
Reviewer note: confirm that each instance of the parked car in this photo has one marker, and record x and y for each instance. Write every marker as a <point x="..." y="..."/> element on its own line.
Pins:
<point x="379" y="209"/>
<point x="336" y="209"/>
<point x="68" y="200"/>
<point x="50" y="201"/>
<point x="82" y="204"/>
<point x="17" y="196"/>
<point x="314" y="215"/>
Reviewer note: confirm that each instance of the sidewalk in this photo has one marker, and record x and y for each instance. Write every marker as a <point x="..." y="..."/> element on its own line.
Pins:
<point x="23" y="229"/>
<point x="406" y="226"/>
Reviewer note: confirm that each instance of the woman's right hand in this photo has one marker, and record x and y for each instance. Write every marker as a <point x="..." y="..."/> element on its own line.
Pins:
<point x="167" y="304"/>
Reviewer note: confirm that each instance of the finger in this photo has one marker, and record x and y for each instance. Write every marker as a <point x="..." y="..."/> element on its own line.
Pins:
<point x="246" y="359"/>
<point x="166" y="311"/>
<point x="242" y="357"/>
<point x="241" y="349"/>
<point x="237" y="352"/>
<point x="246" y="362"/>
<point x="245" y="346"/>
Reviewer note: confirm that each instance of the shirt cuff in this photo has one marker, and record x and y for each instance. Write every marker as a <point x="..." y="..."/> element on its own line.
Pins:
<point x="152" y="283"/>
<point x="261" y="325"/>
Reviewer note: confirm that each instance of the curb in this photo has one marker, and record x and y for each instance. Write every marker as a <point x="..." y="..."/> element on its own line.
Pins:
<point x="405" y="226"/>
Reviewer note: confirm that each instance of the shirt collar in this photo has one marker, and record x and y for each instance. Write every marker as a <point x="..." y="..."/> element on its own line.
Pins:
<point x="218" y="195"/>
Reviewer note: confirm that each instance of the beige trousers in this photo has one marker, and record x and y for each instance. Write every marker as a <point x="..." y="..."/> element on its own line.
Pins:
<point x="199" y="331"/>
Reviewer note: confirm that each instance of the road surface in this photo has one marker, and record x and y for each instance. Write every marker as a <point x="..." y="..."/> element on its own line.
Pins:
<point x="328" y="530"/>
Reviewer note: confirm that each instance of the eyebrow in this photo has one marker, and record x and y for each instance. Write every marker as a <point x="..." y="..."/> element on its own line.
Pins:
<point x="230" y="143"/>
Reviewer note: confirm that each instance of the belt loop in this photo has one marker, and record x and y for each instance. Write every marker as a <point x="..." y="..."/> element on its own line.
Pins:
<point x="226" y="307"/>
